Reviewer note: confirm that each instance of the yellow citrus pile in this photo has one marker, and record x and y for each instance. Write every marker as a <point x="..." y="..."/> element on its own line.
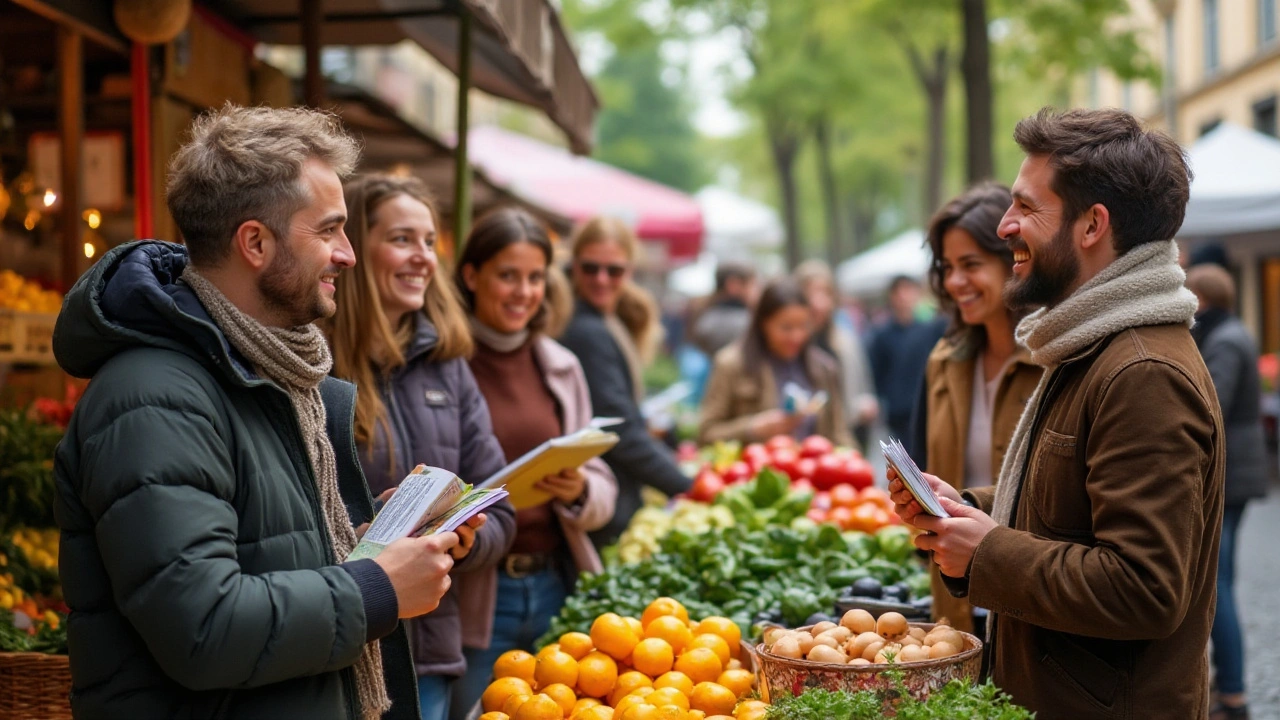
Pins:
<point x="660" y="667"/>
<point x="18" y="293"/>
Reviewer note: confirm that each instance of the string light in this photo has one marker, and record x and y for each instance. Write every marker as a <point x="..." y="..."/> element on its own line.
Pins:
<point x="93" y="217"/>
<point x="50" y="197"/>
<point x="88" y="250"/>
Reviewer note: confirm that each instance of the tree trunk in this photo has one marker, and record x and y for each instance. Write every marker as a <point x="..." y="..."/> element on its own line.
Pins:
<point x="830" y="200"/>
<point x="976" y="68"/>
<point x="935" y="84"/>
<point x="784" y="145"/>
<point x="862" y="217"/>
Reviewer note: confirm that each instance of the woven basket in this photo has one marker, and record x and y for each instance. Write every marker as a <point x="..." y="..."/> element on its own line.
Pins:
<point x="35" y="686"/>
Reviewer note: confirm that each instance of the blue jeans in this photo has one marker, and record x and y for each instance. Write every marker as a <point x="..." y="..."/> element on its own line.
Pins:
<point x="433" y="696"/>
<point x="1228" y="644"/>
<point x="523" y="613"/>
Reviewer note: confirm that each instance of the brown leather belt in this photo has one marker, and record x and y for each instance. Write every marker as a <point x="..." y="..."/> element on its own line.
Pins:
<point x="519" y="565"/>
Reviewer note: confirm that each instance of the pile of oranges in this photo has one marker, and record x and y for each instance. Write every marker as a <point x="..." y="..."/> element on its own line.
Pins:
<point x="18" y="293"/>
<point x="661" y="667"/>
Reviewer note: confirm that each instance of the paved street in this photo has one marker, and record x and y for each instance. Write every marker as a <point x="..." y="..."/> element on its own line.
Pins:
<point x="1258" y="592"/>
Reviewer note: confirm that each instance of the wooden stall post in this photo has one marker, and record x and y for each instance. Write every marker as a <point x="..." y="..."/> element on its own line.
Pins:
<point x="71" y="125"/>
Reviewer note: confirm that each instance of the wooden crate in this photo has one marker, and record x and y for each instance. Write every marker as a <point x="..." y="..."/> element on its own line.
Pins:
<point x="26" y="337"/>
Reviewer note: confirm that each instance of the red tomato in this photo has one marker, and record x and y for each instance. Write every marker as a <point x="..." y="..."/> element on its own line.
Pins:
<point x="843" y="495"/>
<point x="784" y="461"/>
<point x="815" y="446"/>
<point x="831" y="471"/>
<point x="737" y="472"/>
<point x="781" y="442"/>
<point x="804" y="469"/>
<point x="816" y="515"/>
<point x="706" y="486"/>
<point x="687" y="451"/>
<point x="821" y="501"/>
<point x="843" y="517"/>
<point x="860" y="473"/>
<point x="864" y="517"/>
<point x="802" y="484"/>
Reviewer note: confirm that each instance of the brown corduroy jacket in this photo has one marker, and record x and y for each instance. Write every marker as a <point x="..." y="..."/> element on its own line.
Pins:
<point x="948" y="401"/>
<point x="1105" y="585"/>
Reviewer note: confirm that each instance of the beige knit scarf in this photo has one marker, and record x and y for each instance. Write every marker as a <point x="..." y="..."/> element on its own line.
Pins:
<point x="297" y="359"/>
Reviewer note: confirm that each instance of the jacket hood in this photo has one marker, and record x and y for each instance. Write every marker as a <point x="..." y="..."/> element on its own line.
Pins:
<point x="133" y="298"/>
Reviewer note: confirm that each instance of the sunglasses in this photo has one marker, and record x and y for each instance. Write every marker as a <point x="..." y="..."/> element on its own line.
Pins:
<point x="591" y="269"/>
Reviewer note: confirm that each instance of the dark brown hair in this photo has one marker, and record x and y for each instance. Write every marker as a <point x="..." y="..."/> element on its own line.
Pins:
<point x="1106" y="157"/>
<point x="495" y="232"/>
<point x="779" y="294"/>
<point x="977" y="211"/>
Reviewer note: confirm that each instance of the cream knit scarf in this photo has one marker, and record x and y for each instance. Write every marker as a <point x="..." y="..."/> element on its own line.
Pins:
<point x="1142" y="287"/>
<point x="297" y="359"/>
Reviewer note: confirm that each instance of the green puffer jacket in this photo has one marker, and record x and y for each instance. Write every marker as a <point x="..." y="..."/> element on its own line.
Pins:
<point x="194" y="557"/>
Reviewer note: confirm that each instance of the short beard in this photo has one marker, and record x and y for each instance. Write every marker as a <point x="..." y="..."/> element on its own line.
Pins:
<point x="1051" y="277"/>
<point x="287" y="292"/>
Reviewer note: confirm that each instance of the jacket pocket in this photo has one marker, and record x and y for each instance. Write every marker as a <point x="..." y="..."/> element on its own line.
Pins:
<point x="1083" y="673"/>
<point x="1056" y="488"/>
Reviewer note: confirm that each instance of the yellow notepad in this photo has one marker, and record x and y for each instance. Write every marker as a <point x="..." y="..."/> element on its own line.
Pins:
<point x="550" y="458"/>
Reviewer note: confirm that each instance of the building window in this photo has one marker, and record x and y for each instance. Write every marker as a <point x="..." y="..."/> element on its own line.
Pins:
<point x="1210" y="36"/>
<point x="1264" y="116"/>
<point x="1210" y="126"/>
<point x="1266" y="21"/>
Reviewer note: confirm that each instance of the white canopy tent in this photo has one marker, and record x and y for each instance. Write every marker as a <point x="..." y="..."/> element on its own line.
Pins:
<point x="1236" y="188"/>
<point x="868" y="274"/>
<point x="736" y="228"/>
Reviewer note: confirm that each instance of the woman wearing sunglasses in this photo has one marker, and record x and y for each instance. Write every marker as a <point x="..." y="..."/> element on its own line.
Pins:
<point x="613" y="323"/>
<point x="775" y="365"/>
<point x="401" y="335"/>
<point x="536" y="391"/>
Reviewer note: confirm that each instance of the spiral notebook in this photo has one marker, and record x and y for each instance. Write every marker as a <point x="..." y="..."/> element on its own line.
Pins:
<point x="897" y="456"/>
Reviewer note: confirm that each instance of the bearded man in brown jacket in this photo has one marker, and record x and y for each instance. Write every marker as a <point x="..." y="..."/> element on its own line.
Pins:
<point x="1097" y="553"/>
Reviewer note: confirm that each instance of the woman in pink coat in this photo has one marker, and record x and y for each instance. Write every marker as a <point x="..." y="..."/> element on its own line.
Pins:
<point x="536" y="391"/>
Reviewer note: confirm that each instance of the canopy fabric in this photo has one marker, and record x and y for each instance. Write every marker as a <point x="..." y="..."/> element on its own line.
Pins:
<point x="868" y="274"/>
<point x="519" y="49"/>
<point x="737" y="227"/>
<point x="581" y="188"/>
<point x="1236" y="188"/>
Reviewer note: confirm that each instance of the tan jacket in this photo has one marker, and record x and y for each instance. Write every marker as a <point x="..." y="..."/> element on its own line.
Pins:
<point x="1105" y="585"/>
<point x="733" y="398"/>
<point x="949" y="398"/>
<point x="478" y="591"/>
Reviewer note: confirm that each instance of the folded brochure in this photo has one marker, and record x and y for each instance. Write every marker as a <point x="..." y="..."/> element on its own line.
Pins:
<point x="897" y="456"/>
<point x="551" y="457"/>
<point x="427" y="502"/>
<point x="799" y="401"/>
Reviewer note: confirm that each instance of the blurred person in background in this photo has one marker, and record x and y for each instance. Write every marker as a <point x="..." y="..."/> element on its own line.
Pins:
<point x="978" y="379"/>
<point x="727" y="316"/>
<point x="401" y="335"/>
<point x="1232" y="358"/>
<point x="536" y="391"/>
<point x="614" y="323"/>
<point x="898" y="350"/>
<point x="746" y="395"/>
<point x="839" y="341"/>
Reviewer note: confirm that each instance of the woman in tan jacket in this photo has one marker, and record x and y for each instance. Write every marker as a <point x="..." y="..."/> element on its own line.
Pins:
<point x="978" y="379"/>
<point x="746" y="393"/>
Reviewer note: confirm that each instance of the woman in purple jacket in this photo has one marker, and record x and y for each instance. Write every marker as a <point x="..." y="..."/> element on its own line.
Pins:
<point x="401" y="336"/>
<point x="536" y="391"/>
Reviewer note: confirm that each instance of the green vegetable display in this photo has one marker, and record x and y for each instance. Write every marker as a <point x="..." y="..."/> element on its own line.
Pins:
<point x="739" y="573"/>
<point x="956" y="699"/>
<point x="26" y="469"/>
<point x="47" y="639"/>
<point x="765" y="500"/>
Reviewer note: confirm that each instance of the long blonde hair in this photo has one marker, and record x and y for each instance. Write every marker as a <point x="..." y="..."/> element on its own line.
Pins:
<point x="636" y="307"/>
<point x="366" y="348"/>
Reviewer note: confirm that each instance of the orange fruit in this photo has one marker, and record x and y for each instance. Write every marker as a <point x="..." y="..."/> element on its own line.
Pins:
<point x="557" y="667"/>
<point x="653" y="657"/>
<point x="714" y="717"/>
<point x="513" y="703"/>
<point x="515" y="663"/>
<point x="640" y="711"/>
<point x="701" y="665"/>
<point x="663" y="606"/>
<point x="539" y="707"/>
<point x="613" y="635"/>
<point x="697" y="715"/>
<point x="738" y="681"/>
<point x="671" y="629"/>
<point x="672" y="712"/>
<point x="553" y="647"/>
<point x="627" y="682"/>
<point x="751" y="710"/>
<point x="714" y="642"/>
<point x="667" y="696"/>
<point x="494" y="716"/>
<point x="597" y="674"/>
<point x="596" y="712"/>
<point x="576" y="644"/>
<point x="624" y="704"/>
<point x="713" y="699"/>
<point x="636" y="626"/>
<point x="563" y="695"/>
<point x="725" y="628"/>
<point x="499" y="690"/>
<point x="582" y="704"/>
<point x="677" y="680"/>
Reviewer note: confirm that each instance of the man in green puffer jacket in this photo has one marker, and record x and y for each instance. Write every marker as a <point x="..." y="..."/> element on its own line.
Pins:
<point x="208" y="488"/>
